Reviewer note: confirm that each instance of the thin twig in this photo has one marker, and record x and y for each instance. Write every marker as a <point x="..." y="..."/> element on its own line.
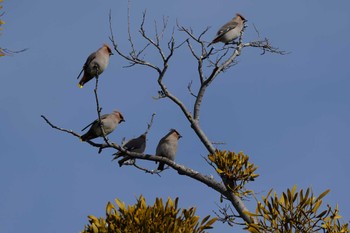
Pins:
<point x="99" y="111"/>
<point x="189" y="87"/>
<point x="265" y="46"/>
<point x="147" y="170"/>
<point x="149" y="125"/>
<point x="129" y="28"/>
<point x="256" y="30"/>
<point x="100" y="146"/>
<point x="209" y="162"/>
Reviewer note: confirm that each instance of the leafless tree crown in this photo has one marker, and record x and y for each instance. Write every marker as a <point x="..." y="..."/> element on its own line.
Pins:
<point x="210" y="64"/>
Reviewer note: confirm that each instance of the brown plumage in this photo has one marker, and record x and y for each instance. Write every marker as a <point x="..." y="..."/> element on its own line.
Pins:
<point x="230" y="31"/>
<point x="95" y="64"/>
<point x="167" y="147"/>
<point x="109" y="123"/>
<point x="137" y="145"/>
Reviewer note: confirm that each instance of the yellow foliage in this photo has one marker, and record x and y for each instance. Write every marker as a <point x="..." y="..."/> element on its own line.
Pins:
<point x="235" y="169"/>
<point x="143" y="218"/>
<point x="295" y="212"/>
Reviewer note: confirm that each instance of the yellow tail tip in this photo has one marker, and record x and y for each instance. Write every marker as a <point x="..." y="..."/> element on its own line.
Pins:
<point x="80" y="86"/>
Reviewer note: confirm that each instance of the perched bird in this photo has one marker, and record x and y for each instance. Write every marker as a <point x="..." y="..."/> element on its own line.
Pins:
<point x="167" y="147"/>
<point x="134" y="145"/>
<point x="230" y="31"/>
<point x="95" y="64"/>
<point x="109" y="123"/>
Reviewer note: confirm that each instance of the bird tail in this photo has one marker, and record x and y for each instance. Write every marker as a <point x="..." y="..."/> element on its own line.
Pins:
<point x="85" y="137"/>
<point x="216" y="40"/>
<point x="117" y="155"/>
<point x="161" y="166"/>
<point x="81" y="82"/>
<point x="121" y="162"/>
<point x="80" y="73"/>
<point x="84" y="80"/>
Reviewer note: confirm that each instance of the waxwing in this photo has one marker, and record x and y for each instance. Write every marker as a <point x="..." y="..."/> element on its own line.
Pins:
<point x="137" y="145"/>
<point x="95" y="64"/>
<point x="167" y="147"/>
<point x="109" y="123"/>
<point x="230" y="31"/>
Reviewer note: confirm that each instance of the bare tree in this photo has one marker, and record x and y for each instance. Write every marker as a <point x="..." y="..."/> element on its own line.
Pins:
<point x="235" y="170"/>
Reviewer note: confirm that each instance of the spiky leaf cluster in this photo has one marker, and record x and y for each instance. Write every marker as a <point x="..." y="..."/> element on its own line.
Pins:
<point x="296" y="212"/>
<point x="235" y="169"/>
<point x="144" y="218"/>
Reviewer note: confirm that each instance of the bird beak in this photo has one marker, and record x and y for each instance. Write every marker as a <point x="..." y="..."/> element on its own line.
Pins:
<point x="110" y="54"/>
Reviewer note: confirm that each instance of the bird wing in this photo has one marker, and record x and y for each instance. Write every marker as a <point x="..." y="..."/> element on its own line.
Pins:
<point x="130" y="144"/>
<point x="159" y="149"/>
<point x="95" y="121"/>
<point x="87" y="63"/>
<point x="136" y="143"/>
<point x="227" y="27"/>
<point x="89" y="60"/>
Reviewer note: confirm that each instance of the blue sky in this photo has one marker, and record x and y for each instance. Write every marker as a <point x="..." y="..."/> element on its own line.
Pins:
<point x="289" y="113"/>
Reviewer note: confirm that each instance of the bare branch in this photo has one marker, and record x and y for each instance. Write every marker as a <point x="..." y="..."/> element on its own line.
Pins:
<point x="226" y="215"/>
<point x="146" y="170"/>
<point x="133" y="56"/>
<point x="59" y="128"/>
<point x="145" y="36"/>
<point x="192" y="50"/>
<point x="182" y="170"/>
<point x="98" y="145"/>
<point x="189" y="32"/>
<point x="219" y="143"/>
<point x="9" y="52"/>
<point x="209" y="162"/>
<point x="99" y="109"/>
<point x="256" y="30"/>
<point x="149" y="125"/>
<point x="159" y="36"/>
<point x="265" y="46"/>
<point x="189" y="87"/>
<point x="129" y="30"/>
<point x="132" y="162"/>
<point x="225" y="59"/>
